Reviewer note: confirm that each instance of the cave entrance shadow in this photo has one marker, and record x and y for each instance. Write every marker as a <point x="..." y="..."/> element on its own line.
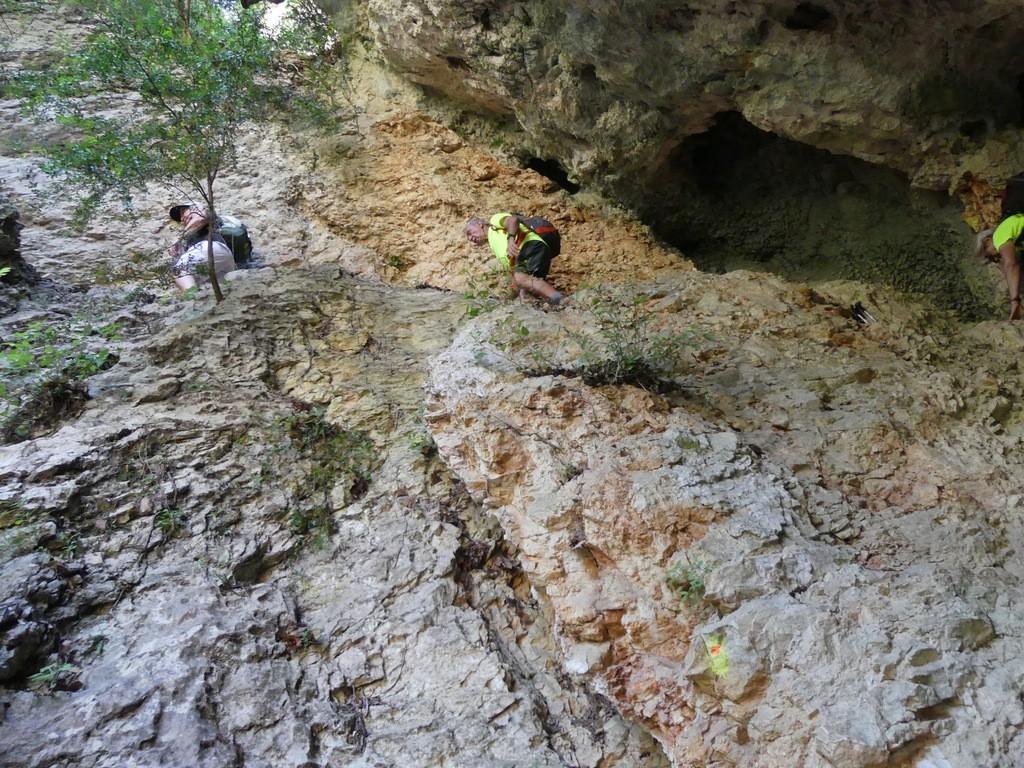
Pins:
<point x="737" y="197"/>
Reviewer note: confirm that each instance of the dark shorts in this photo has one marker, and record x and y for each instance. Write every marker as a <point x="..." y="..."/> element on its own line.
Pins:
<point x="534" y="259"/>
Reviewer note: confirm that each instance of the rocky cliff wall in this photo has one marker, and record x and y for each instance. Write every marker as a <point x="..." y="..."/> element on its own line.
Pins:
<point x="17" y="274"/>
<point x="237" y="545"/>
<point x="844" y="495"/>
<point x="742" y="131"/>
<point x="607" y="88"/>
<point x="334" y="522"/>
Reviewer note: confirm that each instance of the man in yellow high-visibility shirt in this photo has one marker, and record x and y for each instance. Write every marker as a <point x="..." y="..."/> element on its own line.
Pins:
<point x="1000" y="244"/>
<point x="519" y="249"/>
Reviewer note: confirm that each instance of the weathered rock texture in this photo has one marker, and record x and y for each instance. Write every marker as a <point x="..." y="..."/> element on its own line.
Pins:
<point x="244" y="549"/>
<point x="230" y="603"/>
<point x="608" y="88"/>
<point x="851" y="491"/>
<point x="769" y="135"/>
<point x="16" y="272"/>
<point x="258" y="543"/>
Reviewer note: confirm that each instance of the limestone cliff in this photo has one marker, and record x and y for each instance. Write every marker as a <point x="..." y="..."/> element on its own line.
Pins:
<point x="335" y="521"/>
<point x="798" y="137"/>
<point x="608" y="88"/>
<point x="846" y="494"/>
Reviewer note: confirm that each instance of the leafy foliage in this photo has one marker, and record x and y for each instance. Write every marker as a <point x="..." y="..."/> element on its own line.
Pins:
<point x="337" y="459"/>
<point x="41" y="367"/>
<point x="200" y="77"/>
<point x="622" y="345"/>
<point x="619" y="342"/>
<point x="14" y="515"/>
<point x="483" y="291"/>
<point x="191" y="74"/>
<point x="422" y="440"/>
<point x="53" y="677"/>
<point x="170" y="520"/>
<point x="686" y="579"/>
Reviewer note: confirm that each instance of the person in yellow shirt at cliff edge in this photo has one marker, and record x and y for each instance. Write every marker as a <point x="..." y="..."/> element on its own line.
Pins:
<point x="520" y="250"/>
<point x="1000" y="244"/>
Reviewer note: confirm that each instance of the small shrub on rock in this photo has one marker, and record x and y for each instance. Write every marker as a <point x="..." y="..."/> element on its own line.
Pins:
<point x="686" y="579"/>
<point x="621" y="344"/>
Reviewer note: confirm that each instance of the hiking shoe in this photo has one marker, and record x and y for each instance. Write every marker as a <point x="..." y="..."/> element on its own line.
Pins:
<point x="556" y="306"/>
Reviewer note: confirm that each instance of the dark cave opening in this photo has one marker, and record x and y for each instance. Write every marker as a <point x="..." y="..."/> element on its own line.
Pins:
<point x="974" y="130"/>
<point x="1020" y="100"/>
<point x="551" y="169"/>
<point x="737" y="197"/>
<point x="811" y="17"/>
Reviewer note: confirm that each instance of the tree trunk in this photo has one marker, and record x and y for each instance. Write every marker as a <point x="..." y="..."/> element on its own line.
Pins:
<point x="185" y="14"/>
<point x="211" y="223"/>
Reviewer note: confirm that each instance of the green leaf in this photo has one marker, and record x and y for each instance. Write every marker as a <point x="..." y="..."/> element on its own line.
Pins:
<point x="199" y="78"/>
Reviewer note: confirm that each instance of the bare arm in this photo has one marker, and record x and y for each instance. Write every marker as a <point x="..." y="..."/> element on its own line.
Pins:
<point x="511" y="224"/>
<point x="1011" y="271"/>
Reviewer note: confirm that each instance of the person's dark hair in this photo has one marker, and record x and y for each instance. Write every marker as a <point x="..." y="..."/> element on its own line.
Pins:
<point x="1013" y="197"/>
<point x="177" y="210"/>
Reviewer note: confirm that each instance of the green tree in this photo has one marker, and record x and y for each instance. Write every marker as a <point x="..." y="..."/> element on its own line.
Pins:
<point x="202" y="70"/>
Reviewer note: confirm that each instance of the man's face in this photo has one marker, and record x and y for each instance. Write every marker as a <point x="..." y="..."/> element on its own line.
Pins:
<point x="989" y="248"/>
<point x="475" y="234"/>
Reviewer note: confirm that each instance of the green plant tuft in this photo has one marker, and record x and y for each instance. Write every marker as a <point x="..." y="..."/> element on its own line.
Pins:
<point x="686" y="579"/>
<point x="333" y="455"/>
<point x="41" y="370"/>
<point x="485" y="291"/>
<point x="52" y="676"/>
<point x="14" y="515"/>
<point x="421" y="439"/>
<point x="621" y="344"/>
<point x="170" y="521"/>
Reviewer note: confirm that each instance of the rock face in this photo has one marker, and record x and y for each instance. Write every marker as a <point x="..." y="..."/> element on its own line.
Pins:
<point x="10" y="241"/>
<point x="793" y="137"/>
<point x="789" y="488"/>
<point x="333" y="522"/>
<point x="17" y="272"/>
<point x="607" y="89"/>
<point x="242" y="548"/>
<point x="232" y="575"/>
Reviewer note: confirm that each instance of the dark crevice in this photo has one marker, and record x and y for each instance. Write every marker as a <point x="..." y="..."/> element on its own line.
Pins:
<point x="941" y="711"/>
<point x="812" y="18"/>
<point x="737" y="197"/>
<point x="681" y="21"/>
<point x="975" y="130"/>
<point x="493" y="584"/>
<point x="550" y="169"/>
<point x="1020" y="101"/>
